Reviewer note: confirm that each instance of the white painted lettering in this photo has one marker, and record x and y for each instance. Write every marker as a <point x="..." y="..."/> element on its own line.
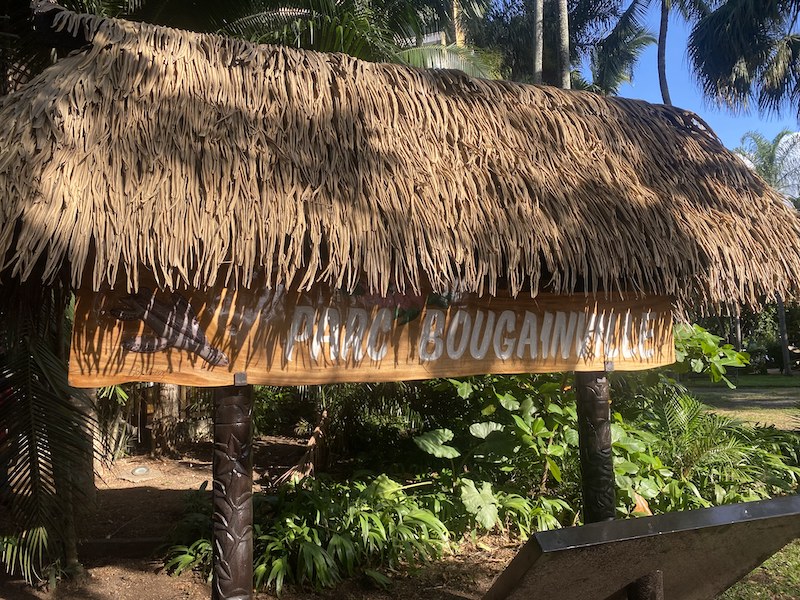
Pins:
<point x="592" y="337"/>
<point x="461" y="319"/>
<point x="328" y="329"/>
<point x="478" y="346"/>
<point x="646" y="335"/>
<point x="610" y="339"/>
<point x="563" y="332"/>
<point x="627" y="332"/>
<point x="432" y="332"/>
<point x="381" y="324"/>
<point x="580" y="332"/>
<point x="547" y="328"/>
<point x="300" y="329"/>
<point x="355" y="330"/>
<point x="527" y="336"/>
<point x="504" y="346"/>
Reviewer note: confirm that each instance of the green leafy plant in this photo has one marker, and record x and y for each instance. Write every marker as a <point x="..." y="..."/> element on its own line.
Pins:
<point x="318" y="532"/>
<point x="508" y="455"/>
<point x="699" y="351"/>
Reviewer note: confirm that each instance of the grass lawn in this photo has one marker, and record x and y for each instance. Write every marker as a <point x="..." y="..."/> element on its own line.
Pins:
<point x="766" y="400"/>
<point x="744" y="381"/>
<point x="757" y="399"/>
<point x="776" y="579"/>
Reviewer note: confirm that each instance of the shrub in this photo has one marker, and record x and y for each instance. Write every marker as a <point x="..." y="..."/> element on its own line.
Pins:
<point x="320" y="531"/>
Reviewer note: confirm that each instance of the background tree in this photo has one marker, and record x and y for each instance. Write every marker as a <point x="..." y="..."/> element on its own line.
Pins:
<point x="563" y="45"/>
<point x="614" y="57"/>
<point x="778" y="162"/>
<point x="509" y="29"/>
<point x="689" y="10"/>
<point x="748" y="52"/>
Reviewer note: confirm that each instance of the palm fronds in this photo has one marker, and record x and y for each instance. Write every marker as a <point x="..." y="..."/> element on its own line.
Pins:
<point x="47" y="434"/>
<point x="615" y="56"/>
<point x="748" y="52"/>
<point x="776" y="160"/>
<point x="717" y="453"/>
<point x="446" y="57"/>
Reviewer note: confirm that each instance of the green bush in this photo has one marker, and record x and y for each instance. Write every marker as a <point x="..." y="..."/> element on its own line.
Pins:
<point x="506" y="461"/>
<point x="320" y="531"/>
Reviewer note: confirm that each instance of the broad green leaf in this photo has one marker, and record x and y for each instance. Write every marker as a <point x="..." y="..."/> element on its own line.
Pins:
<point x="481" y="504"/>
<point x="555" y="450"/>
<point x="554" y="469"/>
<point x="508" y="401"/>
<point x="433" y="442"/>
<point x="626" y="466"/>
<point x="464" y="389"/>
<point x="521" y="424"/>
<point x="482" y="430"/>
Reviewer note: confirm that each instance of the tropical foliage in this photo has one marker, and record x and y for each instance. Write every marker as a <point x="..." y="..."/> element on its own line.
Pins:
<point x="747" y="52"/>
<point x="776" y="160"/>
<point x="48" y="434"/>
<point x="613" y="59"/>
<point x="481" y="454"/>
<point x="505" y="461"/>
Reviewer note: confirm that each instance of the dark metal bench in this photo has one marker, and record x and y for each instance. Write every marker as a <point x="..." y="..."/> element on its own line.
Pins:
<point x="691" y="555"/>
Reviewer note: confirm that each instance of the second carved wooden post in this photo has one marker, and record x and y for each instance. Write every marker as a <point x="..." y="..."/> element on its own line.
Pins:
<point x="232" y="521"/>
<point x="594" y="437"/>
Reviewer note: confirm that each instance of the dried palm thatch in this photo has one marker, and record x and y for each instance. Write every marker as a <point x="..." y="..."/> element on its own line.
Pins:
<point x="199" y="157"/>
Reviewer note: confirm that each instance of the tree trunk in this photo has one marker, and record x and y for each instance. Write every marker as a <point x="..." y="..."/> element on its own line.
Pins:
<point x="787" y="361"/>
<point x="563" y="45"/>
<point x="538" y="46"/>
<point x="458" y="24"/>
<point x="70" y="478"/>
<point x="662" y="52"/>
<point x="165" y="420"/>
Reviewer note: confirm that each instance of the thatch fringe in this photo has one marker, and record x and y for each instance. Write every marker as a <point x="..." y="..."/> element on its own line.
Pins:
<point x="199" y="157"/>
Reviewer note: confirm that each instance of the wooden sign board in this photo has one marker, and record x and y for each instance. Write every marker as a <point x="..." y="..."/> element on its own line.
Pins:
<point x="284" y="337"/>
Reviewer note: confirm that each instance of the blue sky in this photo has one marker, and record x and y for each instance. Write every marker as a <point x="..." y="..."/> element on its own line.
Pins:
<point x="686" y="93"/>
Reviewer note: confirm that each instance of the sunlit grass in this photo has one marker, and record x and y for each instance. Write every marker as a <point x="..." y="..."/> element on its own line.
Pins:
<point x="748" y="381"/>
<point x="776" y="579"/>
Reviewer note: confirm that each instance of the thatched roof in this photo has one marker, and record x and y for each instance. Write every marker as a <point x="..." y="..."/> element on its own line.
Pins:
<point x="199" y="157"/>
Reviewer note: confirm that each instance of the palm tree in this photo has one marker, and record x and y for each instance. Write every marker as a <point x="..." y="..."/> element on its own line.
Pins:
<point x="563" y="45"/>
<point x="526" y="34"/>
<point x="614" y="57"/>
<point x="743" y="54"/>
<point x="378" y="30"/>
<point x="538" y="40"/>
<point x="778" y="162"/>
<point x="49" y="438"/>
<point x="689" y="9"/>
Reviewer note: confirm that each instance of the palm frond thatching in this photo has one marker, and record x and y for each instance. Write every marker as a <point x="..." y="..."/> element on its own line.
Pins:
<point x="199" y="157"/>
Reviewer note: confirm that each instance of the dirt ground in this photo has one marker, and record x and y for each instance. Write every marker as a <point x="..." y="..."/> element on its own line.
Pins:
<point x="139" y="499"/>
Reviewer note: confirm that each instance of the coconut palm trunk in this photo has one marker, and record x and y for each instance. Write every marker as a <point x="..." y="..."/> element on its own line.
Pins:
<point x="662" y="52"/>
<point x="458" y="24"/>
<point x="563" y="45"/>
<point x="538" y="46"/>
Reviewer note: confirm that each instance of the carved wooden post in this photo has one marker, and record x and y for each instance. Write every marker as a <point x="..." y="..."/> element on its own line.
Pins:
<point x="594" y="436"/>
<point x="232" y="521"/>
